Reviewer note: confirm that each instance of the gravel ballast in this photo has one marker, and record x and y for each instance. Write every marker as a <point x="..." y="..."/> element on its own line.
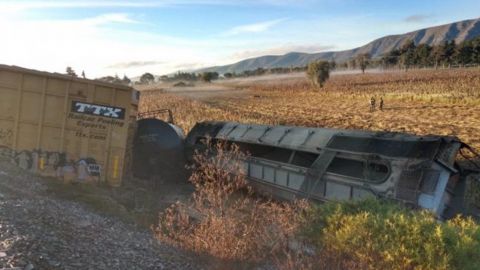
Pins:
<point x="38" y="231"/>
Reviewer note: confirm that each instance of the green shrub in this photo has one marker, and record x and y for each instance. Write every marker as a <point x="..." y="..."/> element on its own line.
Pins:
<point x="382" y="235"/>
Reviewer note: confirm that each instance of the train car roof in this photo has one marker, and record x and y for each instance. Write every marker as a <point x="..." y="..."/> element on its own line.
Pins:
<point x="63" y="77"/>
<point x="390" y="144"/>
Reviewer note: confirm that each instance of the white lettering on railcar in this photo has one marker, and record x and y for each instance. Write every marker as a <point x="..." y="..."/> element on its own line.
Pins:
<point x="98" y="110"/>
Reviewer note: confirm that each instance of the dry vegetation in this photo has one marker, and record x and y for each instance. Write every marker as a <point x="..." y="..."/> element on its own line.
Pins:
<point x="223" y="220"/>
<point x="365" y="235"/>
<point x="444" y="102"/>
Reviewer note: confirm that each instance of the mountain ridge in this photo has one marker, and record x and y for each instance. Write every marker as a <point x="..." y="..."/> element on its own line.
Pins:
<point x="459" y="31"/>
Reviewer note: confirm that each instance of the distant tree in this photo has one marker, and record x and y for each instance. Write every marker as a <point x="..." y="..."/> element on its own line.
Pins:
<point x="318" y="72"/>
<point x="352" y="64"/>
<point x="83" y="74"/>
<point x="126" y="80"/>
<point x="184" y="76"/>
<point x="163" y="78"/>
<point x="407" y="54"/>
<point x="260" y="71"/>
<point x="450" y="52"/>
<point x="391" y="58"/>
<point x="463" y="53"/>
<point x="228" y="75"/>
<point x="248" y="73"/>
<point x="444" y="54"/>
<point x="438" y="55"/>
<point x="475" y="50"/>
<point x="209" y="76"/>
<point x="147" y="78"/>
<point x="71" y="72"/>
<point x="344" y="65"/>
<point x="332" y="64"/>
<point x="423" y="55"/>
<point x="110" y="79"/>
<point x="363" y="61"/>
<point x="115" y="79"/>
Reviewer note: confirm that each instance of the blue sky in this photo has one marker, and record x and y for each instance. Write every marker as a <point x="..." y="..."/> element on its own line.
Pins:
<point x="163" y="36"/>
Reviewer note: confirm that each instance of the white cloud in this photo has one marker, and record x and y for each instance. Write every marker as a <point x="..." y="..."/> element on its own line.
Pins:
<point x="110" y="18"/>
<point x="253" y="28"/>
<point x="417" y="18"/>
<point x="48" y="4"/>
<point x="92" y="44"/>
<point x="42" y="4"/>
<point x="136" y="64"/>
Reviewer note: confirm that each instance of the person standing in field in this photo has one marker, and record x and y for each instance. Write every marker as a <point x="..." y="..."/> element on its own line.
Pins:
<point x="381" y="104"/>
<point x="372" y="104"/>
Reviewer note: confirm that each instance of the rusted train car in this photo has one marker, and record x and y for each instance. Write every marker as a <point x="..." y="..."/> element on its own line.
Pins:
<point x="332" y="164"/>
<point x="65" y="126"/>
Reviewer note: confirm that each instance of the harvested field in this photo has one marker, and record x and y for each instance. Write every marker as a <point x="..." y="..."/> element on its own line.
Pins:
<point x="443" y="102"/>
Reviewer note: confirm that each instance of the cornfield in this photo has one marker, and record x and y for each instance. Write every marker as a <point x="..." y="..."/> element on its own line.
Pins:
<point x="444" y="102"/>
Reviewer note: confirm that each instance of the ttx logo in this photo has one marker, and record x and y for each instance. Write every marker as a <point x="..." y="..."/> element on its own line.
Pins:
<point x="98" y="110"/>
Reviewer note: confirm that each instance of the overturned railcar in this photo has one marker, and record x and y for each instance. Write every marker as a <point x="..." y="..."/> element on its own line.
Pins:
<point x="332" y="164"/>
<point x="158" y="152"/>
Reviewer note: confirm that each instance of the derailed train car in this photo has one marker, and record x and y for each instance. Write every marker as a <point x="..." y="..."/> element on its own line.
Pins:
<point x="158" y="152"/>
<point x="332" y="164"/>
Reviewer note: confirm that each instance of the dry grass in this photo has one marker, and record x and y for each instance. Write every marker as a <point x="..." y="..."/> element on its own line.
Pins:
<point x="444" y="102"/>
<point x="222" y="219"/>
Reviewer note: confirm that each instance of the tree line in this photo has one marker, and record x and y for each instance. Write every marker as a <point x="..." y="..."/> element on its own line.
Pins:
<point x="423" y="55"/>
<point x="263" y="71"/>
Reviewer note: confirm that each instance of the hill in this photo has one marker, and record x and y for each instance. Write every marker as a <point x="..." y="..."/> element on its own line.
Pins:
<point x="458" y="31"/>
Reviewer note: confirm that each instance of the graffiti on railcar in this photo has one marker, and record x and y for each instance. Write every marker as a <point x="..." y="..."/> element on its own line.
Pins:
<point x="6" y="136"/>
<point x="54" y="164"/>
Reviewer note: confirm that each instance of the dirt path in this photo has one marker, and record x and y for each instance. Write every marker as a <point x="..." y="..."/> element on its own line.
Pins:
<point x="197" y="90"/>
<point x="206" y="93"/>
<point x="41" y="232"/>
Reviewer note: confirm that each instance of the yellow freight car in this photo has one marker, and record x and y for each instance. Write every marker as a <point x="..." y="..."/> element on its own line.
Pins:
<point x="63" y="126"/>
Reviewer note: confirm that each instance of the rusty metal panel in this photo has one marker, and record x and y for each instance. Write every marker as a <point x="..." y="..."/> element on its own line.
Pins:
<point x="62" y="126"/>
